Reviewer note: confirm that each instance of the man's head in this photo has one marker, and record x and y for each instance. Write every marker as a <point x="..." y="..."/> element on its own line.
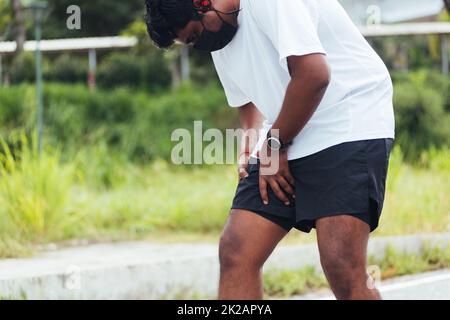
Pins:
<point x="198" y="22"/>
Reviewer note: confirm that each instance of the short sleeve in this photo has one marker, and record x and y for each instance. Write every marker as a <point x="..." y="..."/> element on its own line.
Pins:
<point x="235" y="96"/>
<point x="291" y="26"/>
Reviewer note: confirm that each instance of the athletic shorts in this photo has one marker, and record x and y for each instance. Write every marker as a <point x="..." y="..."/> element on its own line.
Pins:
<point x="345" y="179"/>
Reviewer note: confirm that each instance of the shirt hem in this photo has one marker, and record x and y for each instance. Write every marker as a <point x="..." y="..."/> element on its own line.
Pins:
<point x="296" y="154"/>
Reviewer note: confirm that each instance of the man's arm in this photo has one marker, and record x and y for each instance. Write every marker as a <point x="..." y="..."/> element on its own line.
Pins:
<point x="250" y="117"/>
<point x="251" y="122"/>
<point x="310" y="76"/>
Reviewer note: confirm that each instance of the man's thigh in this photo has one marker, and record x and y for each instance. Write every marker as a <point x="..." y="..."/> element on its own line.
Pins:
<point x="342" y="241"/>
<point x="250" y="235"/>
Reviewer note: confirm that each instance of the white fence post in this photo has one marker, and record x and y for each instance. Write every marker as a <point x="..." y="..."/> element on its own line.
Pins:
<point x="185" y="67"/>
<point x="92" y="68"/>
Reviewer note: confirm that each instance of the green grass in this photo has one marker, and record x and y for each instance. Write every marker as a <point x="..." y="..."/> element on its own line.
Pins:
<point x="396" y="263"/>
<point x="99" y="196"/>
<point x="288" y="283"/>
<point x="417" y="198"/>
<point x="22" y="296"/>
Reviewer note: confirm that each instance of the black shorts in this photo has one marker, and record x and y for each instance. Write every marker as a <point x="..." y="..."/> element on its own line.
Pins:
<point x="348" y="178"/>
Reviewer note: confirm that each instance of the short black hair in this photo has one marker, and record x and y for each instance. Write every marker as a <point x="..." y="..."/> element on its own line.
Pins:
<point x="164" y="17"/>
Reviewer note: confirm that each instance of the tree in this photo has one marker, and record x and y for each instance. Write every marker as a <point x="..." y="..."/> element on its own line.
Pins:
<point x="447" y="5"/>
<point x="98" y="18"/>
<point x="5" y="18"/>
<point x="18" y="28"/>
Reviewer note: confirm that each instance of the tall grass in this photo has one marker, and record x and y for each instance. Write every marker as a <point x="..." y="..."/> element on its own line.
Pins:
<point x="417" y="197"/>
<point x="99" y="196"/>
<point x="35" y="195"/>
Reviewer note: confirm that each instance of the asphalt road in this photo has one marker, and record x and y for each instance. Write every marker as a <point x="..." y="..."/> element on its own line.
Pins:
<point x="426" y="286"/>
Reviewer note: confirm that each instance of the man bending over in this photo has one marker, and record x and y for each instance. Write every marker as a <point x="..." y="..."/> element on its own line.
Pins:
<point x="301" y="71"/>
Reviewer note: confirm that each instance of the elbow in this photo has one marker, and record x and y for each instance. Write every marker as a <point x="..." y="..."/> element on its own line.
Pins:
<point x="321" y="76"/>
<point x="323" y="79"/>
<point x="316" y="81"/>
<point x="312" y="70"/>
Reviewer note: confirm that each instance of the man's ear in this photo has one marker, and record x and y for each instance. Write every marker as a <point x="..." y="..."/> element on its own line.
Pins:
<point x="202" y="6"/>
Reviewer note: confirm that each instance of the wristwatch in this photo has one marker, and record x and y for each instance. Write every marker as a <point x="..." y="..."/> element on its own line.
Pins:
<point x="275" y="143"/>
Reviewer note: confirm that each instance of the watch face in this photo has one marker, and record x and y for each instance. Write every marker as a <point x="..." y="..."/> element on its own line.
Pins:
<point x="274" y="143"/>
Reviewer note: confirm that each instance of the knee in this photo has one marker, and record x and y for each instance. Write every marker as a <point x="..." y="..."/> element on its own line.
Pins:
<point x="229" y="252"/>
<point x="335" y="264"/>
<point x="235" y="253"/>
<point x="345" y="275"/>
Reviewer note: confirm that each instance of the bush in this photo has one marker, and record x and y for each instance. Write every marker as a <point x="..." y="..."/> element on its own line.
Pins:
<point x="427" y="79"/>
<point x="441" y="84"/>
<point x="121" y="69"/>
<point x="139" y="125"/>
<point x="16" y="108"/>
<point x="135" y="124"/>
<point x="422" y="120"/>
<point x="155" y="72"/>
<point x="23" y="68"/>
<point x="68" y="68"/>
<point x="149" y="71"/>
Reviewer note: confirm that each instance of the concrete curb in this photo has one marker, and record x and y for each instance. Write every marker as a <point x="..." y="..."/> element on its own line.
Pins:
<point x="147" y="271"/>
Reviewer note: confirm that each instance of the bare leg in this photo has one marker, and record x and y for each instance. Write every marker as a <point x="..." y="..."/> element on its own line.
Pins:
<point x="247" y="241"/>
<point x="342" y="244"/>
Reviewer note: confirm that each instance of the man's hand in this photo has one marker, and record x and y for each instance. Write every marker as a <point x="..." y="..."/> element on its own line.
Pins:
<point x="282" y="182"/>
<point x="243" y="165"/>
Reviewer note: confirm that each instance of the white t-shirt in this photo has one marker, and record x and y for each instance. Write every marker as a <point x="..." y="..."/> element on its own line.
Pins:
<point x="253" y="68"/>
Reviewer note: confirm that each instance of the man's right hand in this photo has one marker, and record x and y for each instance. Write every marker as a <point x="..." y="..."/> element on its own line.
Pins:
<point x="243" y="165"/>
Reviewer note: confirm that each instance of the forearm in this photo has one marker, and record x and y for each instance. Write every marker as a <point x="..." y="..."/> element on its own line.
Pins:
<point x="301" y="101"/>
<point x="251" y="121"/>
<point x="310" y="77"/>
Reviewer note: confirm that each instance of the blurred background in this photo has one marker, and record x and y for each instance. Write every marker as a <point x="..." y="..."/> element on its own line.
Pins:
<point x="87" y="158"/>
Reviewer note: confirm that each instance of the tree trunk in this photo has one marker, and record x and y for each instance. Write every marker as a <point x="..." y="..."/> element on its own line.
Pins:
<point x="447" y="5"/>
<point x="19" y="31"/>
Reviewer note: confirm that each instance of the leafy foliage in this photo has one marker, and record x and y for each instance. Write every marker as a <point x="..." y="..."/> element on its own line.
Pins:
<point x="422" y="110"/>
<point x="98" y="18"/>
<point x="137" y="124"/>
<point x="67" y="68"/>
